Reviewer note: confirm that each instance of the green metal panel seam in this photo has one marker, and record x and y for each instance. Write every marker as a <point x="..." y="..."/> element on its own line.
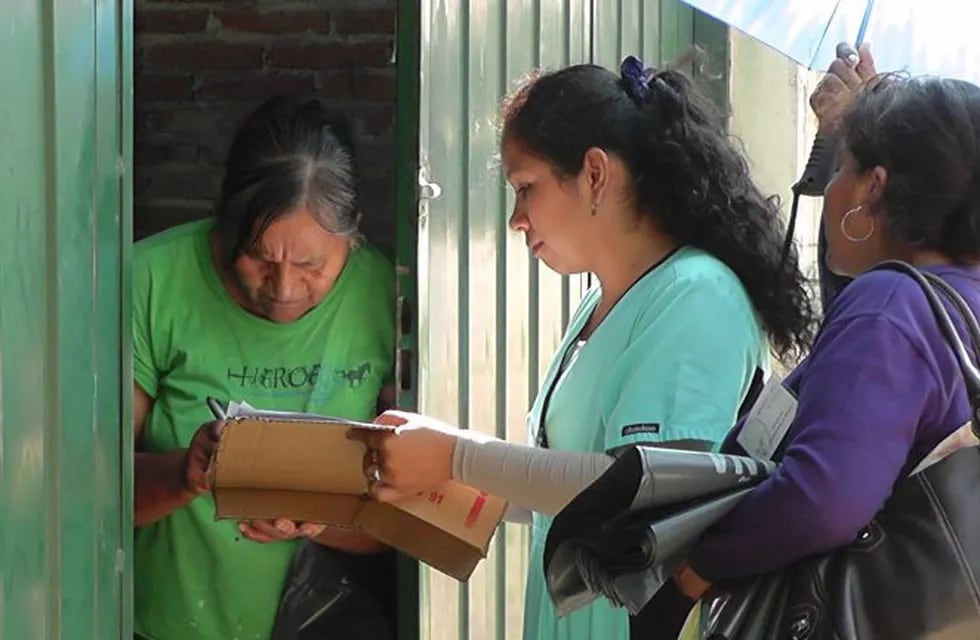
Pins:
<point x="106" y="328"/>
<point x="500" y="386"/>
<point x="503" y="308"/>
<point x="51" y="415"/>
<point x="406" y="265"/>
<point x="406" y="190"/>
<point x="534" y="333"/>
<point x="124" y="88"/>
<point x="463" y="256"/>
<point x="74" y="282"/>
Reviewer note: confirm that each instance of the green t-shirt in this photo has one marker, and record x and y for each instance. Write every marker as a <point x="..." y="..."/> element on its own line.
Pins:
<point x="196" y="578"/>
<point x="672" y="360"/>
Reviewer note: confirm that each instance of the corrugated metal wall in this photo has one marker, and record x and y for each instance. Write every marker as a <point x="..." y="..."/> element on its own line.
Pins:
<point x="64" y="319"/>
<point x="490" y="318"/>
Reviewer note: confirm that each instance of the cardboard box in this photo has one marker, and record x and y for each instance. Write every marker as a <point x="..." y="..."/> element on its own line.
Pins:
<point x="304" y="468"/>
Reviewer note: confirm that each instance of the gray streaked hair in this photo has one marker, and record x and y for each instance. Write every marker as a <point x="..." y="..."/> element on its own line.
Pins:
<point x="291" y="152"/>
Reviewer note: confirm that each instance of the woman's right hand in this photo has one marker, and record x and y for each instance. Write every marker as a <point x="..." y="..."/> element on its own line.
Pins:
<point x="197" y="458"/>
<point x="837" y="88"/>
<point x="416" y="457"/>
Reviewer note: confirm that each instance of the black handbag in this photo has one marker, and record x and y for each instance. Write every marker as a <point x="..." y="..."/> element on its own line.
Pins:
<point x="332" y="595"/>
<point x="912" y="573"/>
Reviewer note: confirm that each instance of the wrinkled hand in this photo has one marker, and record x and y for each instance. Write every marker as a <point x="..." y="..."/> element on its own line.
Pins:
<point x="278" y="530"/>
<point x="197" y="458"/>
<point x="690" y="583"/>
<point x="837" y="88"/>
<point x="416" y="457"/>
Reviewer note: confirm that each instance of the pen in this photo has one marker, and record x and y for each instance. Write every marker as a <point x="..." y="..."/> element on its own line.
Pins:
<point x="216" y="409"/>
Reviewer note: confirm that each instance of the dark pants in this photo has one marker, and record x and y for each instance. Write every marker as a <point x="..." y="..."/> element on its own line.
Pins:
<point x="663" y="617"/>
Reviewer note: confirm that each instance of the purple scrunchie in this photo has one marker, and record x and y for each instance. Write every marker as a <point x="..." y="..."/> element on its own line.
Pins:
<point x="636" y="78"/>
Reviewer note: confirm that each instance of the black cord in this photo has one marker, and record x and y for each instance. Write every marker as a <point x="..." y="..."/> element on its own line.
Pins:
<point x="791" y="226"/>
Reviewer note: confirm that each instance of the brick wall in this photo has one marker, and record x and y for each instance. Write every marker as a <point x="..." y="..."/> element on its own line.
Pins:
<point x="199" y="67"/>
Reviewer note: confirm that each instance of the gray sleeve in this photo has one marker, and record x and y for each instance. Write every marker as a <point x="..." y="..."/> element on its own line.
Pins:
<point x="531" y="478"/>
<point x="541" y="480"/>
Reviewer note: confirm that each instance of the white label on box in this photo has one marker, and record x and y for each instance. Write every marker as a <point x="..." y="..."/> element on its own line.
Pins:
<point x="768" y="421"/>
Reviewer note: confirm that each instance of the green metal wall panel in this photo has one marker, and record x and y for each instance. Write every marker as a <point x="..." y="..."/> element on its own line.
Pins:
<point x="489" y="317"/>
<point x="65" y="459"/>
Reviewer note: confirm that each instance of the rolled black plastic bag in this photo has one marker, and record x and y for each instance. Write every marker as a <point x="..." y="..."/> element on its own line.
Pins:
<point x="627" y="533"/>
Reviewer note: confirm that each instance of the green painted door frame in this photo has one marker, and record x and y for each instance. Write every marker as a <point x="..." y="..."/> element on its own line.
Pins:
<point x="65" y="436"/>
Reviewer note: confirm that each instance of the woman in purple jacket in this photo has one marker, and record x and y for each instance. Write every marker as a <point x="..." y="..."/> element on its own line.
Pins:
<point x="881" y="387"/>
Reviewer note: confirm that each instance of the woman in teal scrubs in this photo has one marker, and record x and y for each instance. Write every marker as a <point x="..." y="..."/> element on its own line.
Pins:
<point x="633" y="178"/>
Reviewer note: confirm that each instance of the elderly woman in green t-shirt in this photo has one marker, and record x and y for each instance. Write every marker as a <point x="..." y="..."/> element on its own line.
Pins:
<point x="275" y="301"/>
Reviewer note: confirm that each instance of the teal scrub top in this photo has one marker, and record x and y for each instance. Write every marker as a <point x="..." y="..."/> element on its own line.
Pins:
<point x="673" y="360"/>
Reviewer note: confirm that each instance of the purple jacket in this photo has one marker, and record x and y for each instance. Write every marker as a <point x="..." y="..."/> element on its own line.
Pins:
<point x="879" y="390"/>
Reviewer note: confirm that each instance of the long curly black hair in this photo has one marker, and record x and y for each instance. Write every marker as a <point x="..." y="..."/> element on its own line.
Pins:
<point x="688" y="174"/>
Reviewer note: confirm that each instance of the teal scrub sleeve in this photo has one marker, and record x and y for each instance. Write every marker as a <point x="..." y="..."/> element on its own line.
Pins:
<point x="686" y="368"/>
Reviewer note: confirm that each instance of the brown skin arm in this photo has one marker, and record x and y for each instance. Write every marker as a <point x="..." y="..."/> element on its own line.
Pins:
<point x="159" y="487"/>
<point x="690" y="583"/>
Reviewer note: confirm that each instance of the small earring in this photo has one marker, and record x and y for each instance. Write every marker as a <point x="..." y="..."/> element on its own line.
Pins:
<point x="595" y="208"/>
<point x="843" y="226"/>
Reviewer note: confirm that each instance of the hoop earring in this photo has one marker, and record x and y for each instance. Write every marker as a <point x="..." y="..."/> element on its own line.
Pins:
<point x="843" y="226"/>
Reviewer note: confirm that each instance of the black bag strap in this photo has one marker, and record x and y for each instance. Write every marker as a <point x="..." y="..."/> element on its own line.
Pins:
<point x="929" y="283"/>
<point x="972" y="325"/>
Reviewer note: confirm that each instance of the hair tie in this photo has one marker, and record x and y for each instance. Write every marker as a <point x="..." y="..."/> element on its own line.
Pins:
<point x="636" y="79"/>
